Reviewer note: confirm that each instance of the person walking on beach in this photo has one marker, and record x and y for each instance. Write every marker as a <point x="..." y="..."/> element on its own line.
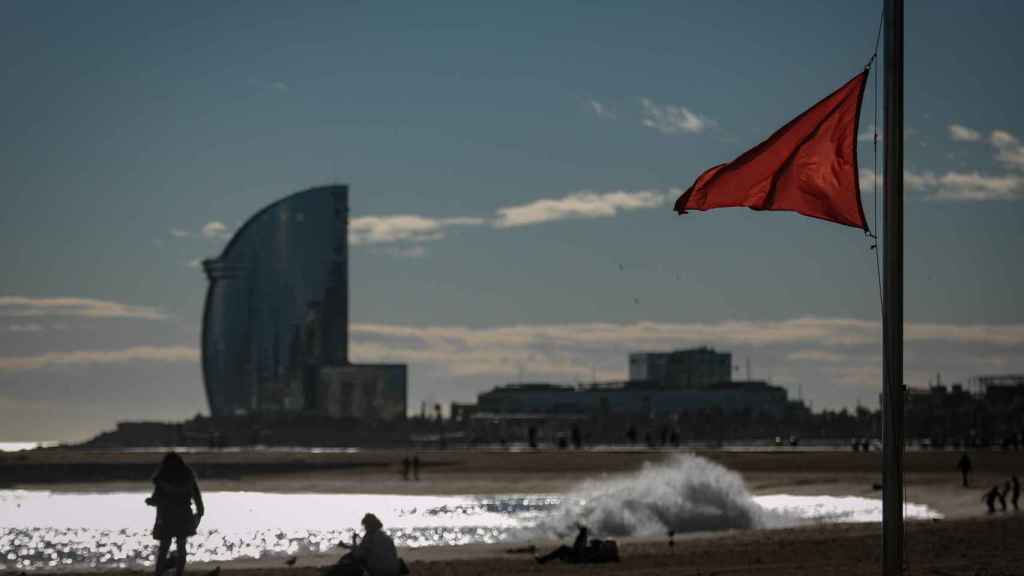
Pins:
<point x="406" y="464"/>
<point x="1002" y="495"/>
<point x="964" y="465"/>
<point x="416" y="467"/>
<point x="374" y="555"/>
<point x="1015" y="491"/>
<point x="174" y="490"/>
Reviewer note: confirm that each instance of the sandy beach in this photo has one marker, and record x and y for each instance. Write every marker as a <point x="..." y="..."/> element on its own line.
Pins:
<point x="966" y="541"/>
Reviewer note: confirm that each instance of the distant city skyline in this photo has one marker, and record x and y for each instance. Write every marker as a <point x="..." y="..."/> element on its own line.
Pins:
<point x="512" y="170"/>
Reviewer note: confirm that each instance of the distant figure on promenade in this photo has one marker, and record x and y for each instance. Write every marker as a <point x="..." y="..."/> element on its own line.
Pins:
<point x="584" y="551"/>
<point x="990" y="499"/>
<point x="964" y="465"/>
<point x="577" y="437"/>
<point x="406" y="464"/>
<point x="174" y="490"/>
<point x="374" y="555"/>
<point x="1015" y="491"/>
<point x="416" y="467"/>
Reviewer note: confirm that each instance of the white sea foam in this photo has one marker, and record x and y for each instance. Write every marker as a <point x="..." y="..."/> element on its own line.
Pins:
<point x="685" y="494"/>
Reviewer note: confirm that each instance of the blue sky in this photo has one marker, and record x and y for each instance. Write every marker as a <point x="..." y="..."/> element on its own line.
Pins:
<point x="512" y="168"/>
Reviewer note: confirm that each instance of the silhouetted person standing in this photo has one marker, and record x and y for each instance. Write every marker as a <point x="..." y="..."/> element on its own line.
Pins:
<point x="577" y="437"/>
<point x="964" y="465"/>
<point x="416" y="467"/>
<point x="990" y="499"/>
<point x="174" y="490"/>
<point x="1015" y="491"/>
<point x="406" y="464"/>
<point x="1002" y="495"/>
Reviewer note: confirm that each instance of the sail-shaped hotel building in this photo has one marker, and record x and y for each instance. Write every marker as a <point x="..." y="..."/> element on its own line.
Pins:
<point x="275" y="322"/>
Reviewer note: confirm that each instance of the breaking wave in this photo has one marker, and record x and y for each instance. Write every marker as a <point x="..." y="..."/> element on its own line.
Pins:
<point x="685" y="494"/>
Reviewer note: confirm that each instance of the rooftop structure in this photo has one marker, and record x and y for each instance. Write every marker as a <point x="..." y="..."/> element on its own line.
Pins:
<point x="692" y="368"/>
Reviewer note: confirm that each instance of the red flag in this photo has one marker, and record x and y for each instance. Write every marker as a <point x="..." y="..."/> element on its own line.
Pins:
<point x="808" y="166"/>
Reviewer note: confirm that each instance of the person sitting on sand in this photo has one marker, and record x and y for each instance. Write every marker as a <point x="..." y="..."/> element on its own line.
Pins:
<point x="584" y="552"/>
<point x="174" y="490"/>
<point x="374" y="555"/>
<point x="574" y="555"/>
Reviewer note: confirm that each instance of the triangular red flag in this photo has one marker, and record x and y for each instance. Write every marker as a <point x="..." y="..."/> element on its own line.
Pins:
<point x="808" y="166"/>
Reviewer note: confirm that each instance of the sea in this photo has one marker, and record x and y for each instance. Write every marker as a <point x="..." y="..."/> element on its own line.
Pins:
<point x="47" y="530"/>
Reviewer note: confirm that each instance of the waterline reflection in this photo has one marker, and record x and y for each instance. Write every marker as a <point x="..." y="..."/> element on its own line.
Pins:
<point x="46" y="530"/>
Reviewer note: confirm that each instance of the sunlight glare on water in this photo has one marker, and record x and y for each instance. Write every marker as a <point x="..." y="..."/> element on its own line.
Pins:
<point x="45" y="530"/>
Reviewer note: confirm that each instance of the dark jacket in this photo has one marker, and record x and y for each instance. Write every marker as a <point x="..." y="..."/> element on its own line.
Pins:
<point x="173" y="501"/>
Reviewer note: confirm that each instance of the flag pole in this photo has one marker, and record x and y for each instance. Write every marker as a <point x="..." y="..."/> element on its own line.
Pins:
<point x="892" y="297"/>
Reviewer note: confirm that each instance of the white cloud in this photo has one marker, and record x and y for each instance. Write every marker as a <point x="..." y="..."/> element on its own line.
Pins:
<point x="279" y="86"/>
<point x="867" y="135"/>
<point x="87" y="357"/>
<point x="576" y="205"/>
<point x="1008" y="149"/>
<point x="1001" y="138"/>
<point x="965" y="186"/>
<point x="960" y="133"/>
<point x="601" y="110"/>
<point x="417" y="229"/>
<point x="23" y="307"/>
<point x="179" y="233"/>
<point x="215" y="229"/>
<point x="817" y="356"/>
<point x="669" y="119"/>
<point x="403" y="228"/>
<point x="867" y="180"/>
<point x="568" y="350"/>
<point x="30" y="327"/>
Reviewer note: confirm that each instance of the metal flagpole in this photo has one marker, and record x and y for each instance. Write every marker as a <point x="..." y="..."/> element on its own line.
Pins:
<point x="892" y="297"/>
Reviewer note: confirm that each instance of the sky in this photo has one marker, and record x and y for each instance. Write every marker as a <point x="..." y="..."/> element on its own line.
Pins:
<point x="512" y="170"/>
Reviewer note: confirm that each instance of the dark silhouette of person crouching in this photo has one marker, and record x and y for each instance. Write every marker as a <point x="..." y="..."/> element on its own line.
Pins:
<point x="574" y="555"/>
<point x="174" y="490"/>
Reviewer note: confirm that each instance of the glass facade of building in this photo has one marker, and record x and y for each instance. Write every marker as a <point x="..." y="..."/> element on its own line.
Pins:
<point x="277" y="306"/>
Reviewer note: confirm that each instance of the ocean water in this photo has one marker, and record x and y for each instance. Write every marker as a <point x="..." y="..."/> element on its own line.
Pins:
<point x="48" y="530"/>
<point x="19" y="446"/>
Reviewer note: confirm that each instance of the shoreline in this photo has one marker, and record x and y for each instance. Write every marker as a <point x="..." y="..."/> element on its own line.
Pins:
<point x="931" y="478"/>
